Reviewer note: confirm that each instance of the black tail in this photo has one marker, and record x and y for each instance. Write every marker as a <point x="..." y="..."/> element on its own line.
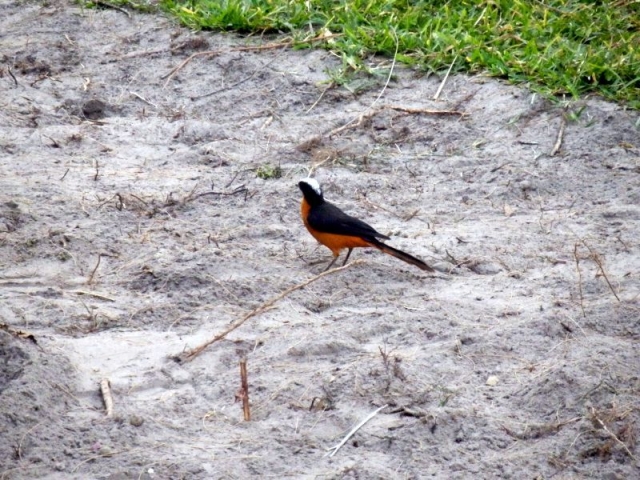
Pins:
<point x="394" y="252"/>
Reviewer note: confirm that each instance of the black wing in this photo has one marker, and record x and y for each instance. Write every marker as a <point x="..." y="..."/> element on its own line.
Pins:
<point x="328" y="218"/>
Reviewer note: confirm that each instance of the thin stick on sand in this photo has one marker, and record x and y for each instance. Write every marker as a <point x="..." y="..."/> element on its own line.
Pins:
<point x="444" y="80"/>
<point x="105" y="389"/>
<point x="191" y="354"/>
<point x="576" y="256"/>
<point x="95" y="269"/>
<point x="244" y="392"/>
<point x="334" y="450"/>
<point x="596" y="258"/>
<point x="611" y="434"/>
<point x="558" y="144"/>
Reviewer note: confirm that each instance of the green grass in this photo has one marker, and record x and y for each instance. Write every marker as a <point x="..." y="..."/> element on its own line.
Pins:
<point x="268" y="171"/>
<point x="555" y="47"/>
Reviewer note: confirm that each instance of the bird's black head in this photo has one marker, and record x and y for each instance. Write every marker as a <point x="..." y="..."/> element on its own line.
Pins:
<point x="311" y="191"/>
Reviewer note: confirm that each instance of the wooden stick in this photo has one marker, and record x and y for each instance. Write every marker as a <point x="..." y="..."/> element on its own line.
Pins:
<point x="426" y="111"/>
<point x="576" y="256"/>
<point x="95" y="269"/>
<point x="444" y="80"/>
<point x="611" y="434"/>
<point x="354" y="122"/>
<point x="598" y="261"/>
<point x="393" y="64"/>
<point x="334" y="450"/>
<point x="331" y="84"/>
<point x="140" y="97"/>
<point x="558" y="144"/>
<point x="105" y="389"/>
<point x="357" y="121"/>
<point x="12" y="76"/>
<point x="244" y="382"/>
<point x="104" y="4"/>
<point x="191" y="354"/>
<point x="94" y="294"/>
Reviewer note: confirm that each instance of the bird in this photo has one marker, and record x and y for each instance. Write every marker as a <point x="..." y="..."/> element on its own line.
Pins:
<point x="336" y="230"/>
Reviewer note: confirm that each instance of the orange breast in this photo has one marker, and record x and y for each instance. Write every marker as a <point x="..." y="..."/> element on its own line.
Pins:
<point x="332" y="241"/>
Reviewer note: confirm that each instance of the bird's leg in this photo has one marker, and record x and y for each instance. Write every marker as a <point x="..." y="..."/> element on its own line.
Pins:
<point x="346" y="259"/>
<point x="335" y="257"/>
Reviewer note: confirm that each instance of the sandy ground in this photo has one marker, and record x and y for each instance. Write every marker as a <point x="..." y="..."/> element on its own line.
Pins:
<point x="518" y="359"/>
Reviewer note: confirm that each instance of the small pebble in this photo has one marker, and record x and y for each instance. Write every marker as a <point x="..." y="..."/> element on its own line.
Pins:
<point x="492" y="381"/>
<point x="136" y="421"/>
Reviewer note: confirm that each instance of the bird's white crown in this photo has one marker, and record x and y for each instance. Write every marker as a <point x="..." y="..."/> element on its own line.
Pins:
<point x="313" y="183"/>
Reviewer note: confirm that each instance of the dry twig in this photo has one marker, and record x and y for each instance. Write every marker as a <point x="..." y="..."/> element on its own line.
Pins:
<point x="19" y="449"/>
<point x="140" y="97"/>
<point x="104" y="4"/>
<point x="191" y="354"/>
<point x="444" y="80"/>
<point x="243" y="394"/>
<point x="558" y="144"/>
<point x="331" y="84"/>
<point x="371" y="112"/>
<point x="192" y="196"/>
<point x="105" y="389"/>
<point x="426" y="111"/>
<point x="94" y="294"/>
<point x="334" y="450"/>
<point x="15" y="80"/>
<point x="593" y="255"/>
<point x="393" y="64"/>
<point x="141" y="53"/>
<point x="577" y="258"/>
<point x="95" y="269"/>
<point x="359" y="119"/>
<point x="596" y="258"/>
<point x="595" y="417"/>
